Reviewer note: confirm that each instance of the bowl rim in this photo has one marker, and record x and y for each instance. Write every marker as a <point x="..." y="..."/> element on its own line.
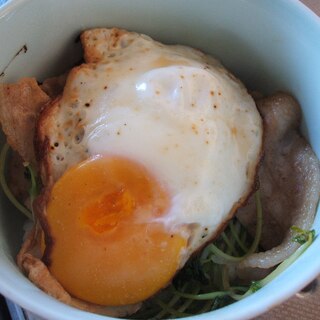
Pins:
<point x="255" y="301"/>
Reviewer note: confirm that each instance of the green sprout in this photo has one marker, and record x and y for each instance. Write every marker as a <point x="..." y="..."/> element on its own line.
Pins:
<point x="33" y="190"/>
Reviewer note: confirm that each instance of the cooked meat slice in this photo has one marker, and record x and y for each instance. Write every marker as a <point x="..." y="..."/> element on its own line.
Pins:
<point x="289" y="182"/>
<point x="20" y="104"/>
<point x="53" y="87"/>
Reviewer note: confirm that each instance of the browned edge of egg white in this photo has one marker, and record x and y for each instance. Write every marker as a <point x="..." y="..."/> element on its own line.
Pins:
<point x="42" y="142"/>
<point x="42" y="147"/>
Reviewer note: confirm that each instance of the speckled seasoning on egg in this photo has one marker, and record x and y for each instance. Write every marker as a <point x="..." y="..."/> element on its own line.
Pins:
<point x="139" y="152"/>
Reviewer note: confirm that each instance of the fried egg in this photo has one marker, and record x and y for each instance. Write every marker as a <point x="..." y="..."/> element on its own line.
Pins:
<point x="145" y="157"/>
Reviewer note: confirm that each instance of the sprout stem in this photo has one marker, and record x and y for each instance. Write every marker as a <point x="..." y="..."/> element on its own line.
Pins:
<point x="231" y="259"/>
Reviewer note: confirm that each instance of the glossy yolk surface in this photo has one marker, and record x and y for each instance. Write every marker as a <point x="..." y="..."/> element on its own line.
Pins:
<point x="108" y="249"/>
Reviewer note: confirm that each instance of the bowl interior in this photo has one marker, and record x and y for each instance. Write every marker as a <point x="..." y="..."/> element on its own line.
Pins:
<point x="270" y="45"/>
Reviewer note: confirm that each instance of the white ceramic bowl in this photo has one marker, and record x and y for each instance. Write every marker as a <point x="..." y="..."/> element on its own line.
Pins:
<point x="270" y="45"/>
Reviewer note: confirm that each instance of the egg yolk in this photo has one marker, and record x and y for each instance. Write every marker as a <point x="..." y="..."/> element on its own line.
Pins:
<point x="109" y="248"/>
